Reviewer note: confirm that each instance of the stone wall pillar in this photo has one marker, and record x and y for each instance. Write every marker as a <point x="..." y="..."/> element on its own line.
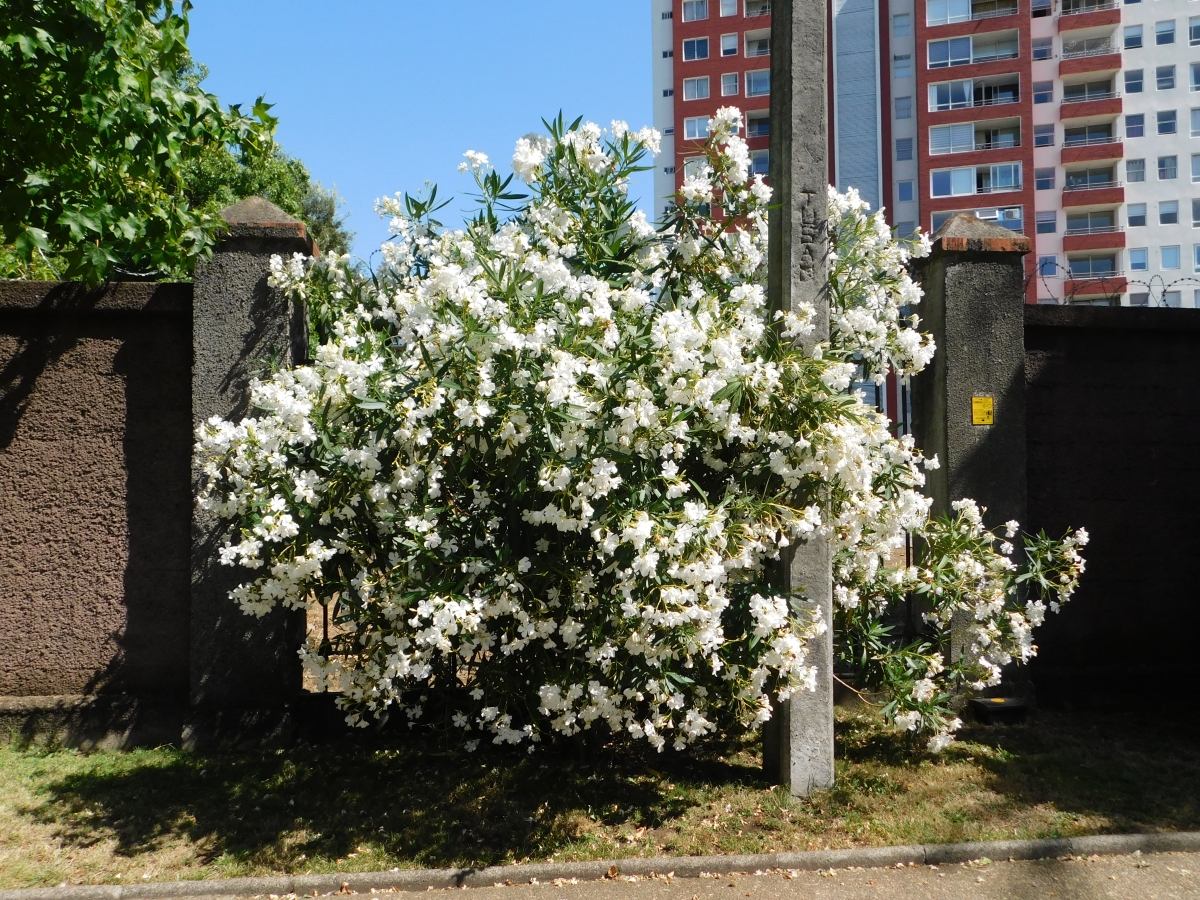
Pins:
<point x="245" y="672"/>
<point x="969" y="404"/>
<point x="798" y="741"/>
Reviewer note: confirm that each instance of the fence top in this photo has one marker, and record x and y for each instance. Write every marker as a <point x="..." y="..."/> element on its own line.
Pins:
<point x="964" y="232"/>
<point x="116" y="296"/>
<point x="1125" y="318"/>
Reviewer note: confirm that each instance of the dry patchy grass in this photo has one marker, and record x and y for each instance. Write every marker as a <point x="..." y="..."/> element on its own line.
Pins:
<point x="359" y="805"/>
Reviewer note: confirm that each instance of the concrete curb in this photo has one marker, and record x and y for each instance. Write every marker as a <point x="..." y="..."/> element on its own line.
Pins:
<point x="680" y="866"/>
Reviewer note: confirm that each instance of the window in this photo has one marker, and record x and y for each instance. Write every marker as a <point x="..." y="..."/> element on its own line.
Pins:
<point x="1043" y="135"/>
<point x="693" y="166"/>
<point x="953" y="182"/>
<point x="1194" y="30"/>
<point x="950" y="95"/>
<point x="1039" y="8"/>
<point x="1135" y="170"/>
<point x="1091" y="222"/>
<point x="1164" y="78"/>
<point x="1195" y="167"/>
<point x="759" y="45"/>
<point x="1099" y="266"/>
<point x="758" y="83"/>
<point x="1133" y="37"/>
<point x="694" y="10"/>
<point x="904" y="148"/>
<point x="758" y="126"/>
<point x="1168" y="168"/>
<point x="1196" y="213"/>
<point x="1010" y="217"/>
<point x="1169" y="256"/>
<point x="760" y="161"/>
<point x="1139" y="259"/>
<point x="1047" y="266"/>
<point x="1043" y="179"/>
<point x="902" y="65"/>
<point x="1135" y="215"/>
<point x="695" y="128"/>
<point x="905" y="229"/>
<point x="1043" y="48"/>
<point x="1172" y="299"/>
<point x="1168" y="212"/>
<point x="1047" y="222"/>
<point x="1087" y="134"/>
<point x="1084" y="179"/>
<point x="729" y="45"/>
<point x="1196" y="257"/>
<point x="904" y="191"/>
<point x="1166" y="121"/>
<point x="695" y="48"/>
<point x="951" y="139"/>
<point x="943" y="12"/>
<point x="668" y="14"/>
<point x="1196" y="76"/>
<point x="1043" y="92"/>
<point x="1196" y="123"/>
<point x="1133" y="81"/>
<point x="902" y="25"/>
<point x="1135" y="125"/>
<point x="1139" y="299"/>
<point x="954" y="52"/>
<point x="695" y="88"/>
<point x="904" y="107"/>
<point x="670" y="170"/>
<point x="729" y="84"/>
<point x="667" y="54"/>
<point x="668" y="92"/>
<point x="1164" y="32"/>
<point x="756" y="8"/>
<point x="729" y="7"/>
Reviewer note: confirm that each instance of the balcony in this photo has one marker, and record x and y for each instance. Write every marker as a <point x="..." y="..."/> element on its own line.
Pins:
<point x="992" y="10"/>
<point x="1111" y="238"/>
<point x="1094" y="95"/>
<point x="1092" y="186"/>
<point x="1092" y="151"/>
<point x="1111" y="194"/>
<point x="1078" y="9"/>
<point x="1094" y="229"/>
<point x="757" y="8"/>
<point x="1089" y="48"/>
<point x="997" y="144"/>
<point x="997" y="189"/>
<point x="1091" y="140"/>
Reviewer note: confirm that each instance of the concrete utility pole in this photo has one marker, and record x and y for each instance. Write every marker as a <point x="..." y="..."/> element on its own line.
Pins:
<point x="798" y="741"/>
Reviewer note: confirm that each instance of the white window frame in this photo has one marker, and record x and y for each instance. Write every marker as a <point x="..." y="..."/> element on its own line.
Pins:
<point x="694" y="6"/>
<point x="695" y="128"/>
<point x="694" y="84"/>
<point x="767" y="92"/>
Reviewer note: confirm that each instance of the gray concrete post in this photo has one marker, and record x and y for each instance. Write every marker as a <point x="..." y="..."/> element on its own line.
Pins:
<point x="244" y="671"/>
<point x="798" y="740"/>
<point x="974" y="307"/>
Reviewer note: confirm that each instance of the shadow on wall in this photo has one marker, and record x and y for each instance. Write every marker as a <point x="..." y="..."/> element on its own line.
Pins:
<point x="95" y="421"/>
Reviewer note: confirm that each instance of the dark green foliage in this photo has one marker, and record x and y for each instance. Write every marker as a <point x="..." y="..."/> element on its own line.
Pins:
<point x="97" y="125"/>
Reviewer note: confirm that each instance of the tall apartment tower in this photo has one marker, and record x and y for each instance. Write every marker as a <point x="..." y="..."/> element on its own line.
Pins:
<point x="1068" y="120"/>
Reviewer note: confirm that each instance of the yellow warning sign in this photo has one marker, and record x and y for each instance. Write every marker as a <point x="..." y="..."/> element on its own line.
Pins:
<point x="983" y="410"/>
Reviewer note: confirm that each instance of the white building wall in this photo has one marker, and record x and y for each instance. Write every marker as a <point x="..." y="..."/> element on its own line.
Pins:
<point x="1153" y="191"/>
<point x="662" y="73"/>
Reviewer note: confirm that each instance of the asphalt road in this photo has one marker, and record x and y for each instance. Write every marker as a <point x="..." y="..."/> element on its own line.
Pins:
<point x="1150" y="877"/>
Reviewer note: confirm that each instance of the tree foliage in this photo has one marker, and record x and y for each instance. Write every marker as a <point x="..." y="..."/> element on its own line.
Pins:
<point x="97" y="126"/>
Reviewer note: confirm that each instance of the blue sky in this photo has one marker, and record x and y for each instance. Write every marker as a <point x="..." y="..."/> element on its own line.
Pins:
<point x="378" y="97"/>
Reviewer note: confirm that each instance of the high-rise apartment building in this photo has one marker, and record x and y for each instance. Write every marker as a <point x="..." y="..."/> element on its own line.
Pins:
<point x="1069" y="120"/>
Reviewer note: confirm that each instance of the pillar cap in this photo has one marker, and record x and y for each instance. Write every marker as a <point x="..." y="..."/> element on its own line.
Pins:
<point x="964" y="232"/>
<point x="258" y="217"/>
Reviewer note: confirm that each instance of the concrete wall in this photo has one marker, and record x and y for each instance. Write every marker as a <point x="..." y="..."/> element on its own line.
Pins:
<point x="95" y="500"/>
<point x="1113" y="445"/>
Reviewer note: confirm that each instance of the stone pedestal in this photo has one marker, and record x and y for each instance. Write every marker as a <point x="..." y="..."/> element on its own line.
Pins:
<point x="244" y="671"/>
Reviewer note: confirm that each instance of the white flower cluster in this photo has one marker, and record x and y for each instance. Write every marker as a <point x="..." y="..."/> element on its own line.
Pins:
<point x="538" y="467"/>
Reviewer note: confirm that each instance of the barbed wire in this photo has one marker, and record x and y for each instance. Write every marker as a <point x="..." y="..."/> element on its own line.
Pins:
<point x="1106" y="288"/>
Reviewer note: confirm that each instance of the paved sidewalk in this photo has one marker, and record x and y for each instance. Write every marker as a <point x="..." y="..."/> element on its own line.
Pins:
<point x="1150" y="877"/>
